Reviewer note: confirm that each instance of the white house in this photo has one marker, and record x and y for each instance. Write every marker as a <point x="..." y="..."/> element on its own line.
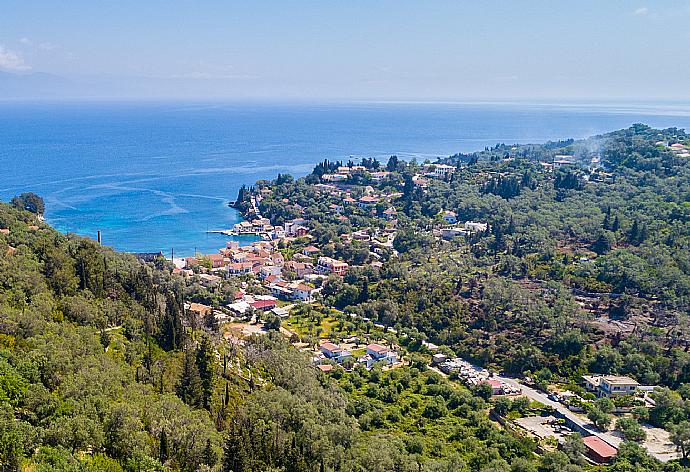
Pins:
<point x="377" y="353"/>
<point x="303" y="292"/>
<point x="475" y="227"/>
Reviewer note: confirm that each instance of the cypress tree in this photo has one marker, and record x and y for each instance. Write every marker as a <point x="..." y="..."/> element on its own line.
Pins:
<point x="163" y="447"/>
<point x="205" y="361"/>
<point x="189" y="388"/>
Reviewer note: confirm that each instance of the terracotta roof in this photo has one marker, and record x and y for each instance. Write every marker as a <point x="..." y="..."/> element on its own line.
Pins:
<point x="330" y="347"/>
<point x="599" y="447"/>
<point x="199" y="308"/>
<point x="377" y="348"/>
<point x="263" y="303"/>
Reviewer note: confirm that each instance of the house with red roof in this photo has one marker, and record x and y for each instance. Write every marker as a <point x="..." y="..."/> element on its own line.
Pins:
<point x="263" y="305"/>
<point x="599" y="450"/>
<point x="310" y="250"/>
<point x="378" y="353"/>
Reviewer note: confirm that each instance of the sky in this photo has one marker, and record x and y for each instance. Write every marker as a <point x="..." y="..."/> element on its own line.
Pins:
<point x="355" y="49"/>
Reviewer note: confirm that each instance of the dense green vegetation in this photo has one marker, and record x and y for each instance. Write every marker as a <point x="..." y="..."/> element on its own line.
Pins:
<point x="509" y="297"/>
<point x="101" y="368"/>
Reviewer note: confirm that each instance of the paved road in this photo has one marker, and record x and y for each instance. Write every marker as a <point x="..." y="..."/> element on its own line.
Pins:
<point x="611" y="437"/>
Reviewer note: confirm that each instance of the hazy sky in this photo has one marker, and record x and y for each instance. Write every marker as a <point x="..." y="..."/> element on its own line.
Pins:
<point x="593" y="49"/>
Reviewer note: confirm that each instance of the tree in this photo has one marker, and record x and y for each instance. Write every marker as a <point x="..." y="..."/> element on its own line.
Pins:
<point x="574" y="448"/>
<point x="205" y="362"/>
<point x="483" y="390"/>
<point x="605" y="404"/>
<point x="600" y="419"/>
<point x="603" y="243"/>
<point x="436" y="408"/>
<point x="163" y="447"/>
<point x="680" y="436"/>
<point x="631" y="429"/>
<point x="29" y="201"/>
<point x="171" y="332"/>
<point x="553" y="461"/>
<point x="190" y="387"/>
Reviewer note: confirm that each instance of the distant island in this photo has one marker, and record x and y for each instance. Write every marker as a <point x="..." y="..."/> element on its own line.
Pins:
<point x="520" y="308"/>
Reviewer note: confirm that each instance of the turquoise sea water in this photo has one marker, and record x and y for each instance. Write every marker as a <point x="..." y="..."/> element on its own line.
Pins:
<point x="156" y="176"/>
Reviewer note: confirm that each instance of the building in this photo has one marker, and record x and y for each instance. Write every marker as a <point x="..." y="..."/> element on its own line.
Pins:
<point x="496" y="386"/>
<point x="440" y="170"/>
<point x="610" y="385"/>
<point x="599" y="450"/>
<point x="310" y="251"/>
<point x="240" y="307"/>
<point x="473" y="226"/>
<point x="334" y="352"/>
<point x="199" y="310"/>
<point x="263" y="305"/>
<point x="450" y="233"/>
<point x="240" y="268"/>
<point x="368" y="201"/>
<point x="379" y="176"/>
<point x="377" y="353"/>
<point x="390" y="213"/>
<point x="303" y="292"/>
<point x="327" y="265"/>
<point x="449" y="217"/>
<point x="217" y="260"/>
<point x="299" y="268"/>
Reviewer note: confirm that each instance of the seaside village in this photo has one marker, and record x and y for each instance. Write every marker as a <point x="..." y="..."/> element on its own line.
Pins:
<point x="284" y="271"/>
<point x="275" y="281"/>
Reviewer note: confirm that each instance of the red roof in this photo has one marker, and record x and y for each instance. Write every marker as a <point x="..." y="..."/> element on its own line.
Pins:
<point x="599" y="447"/>
<point x="330" y="347"/>
<point x="263" y="303"/>
<point x="377" y="348"/>
<point x="325" y="367"/>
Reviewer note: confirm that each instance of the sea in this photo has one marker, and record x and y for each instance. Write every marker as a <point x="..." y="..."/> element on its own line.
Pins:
<point x="157" y="176"/>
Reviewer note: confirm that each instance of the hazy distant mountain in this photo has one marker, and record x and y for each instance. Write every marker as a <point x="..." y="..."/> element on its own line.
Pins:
<point x="34" y="85"/>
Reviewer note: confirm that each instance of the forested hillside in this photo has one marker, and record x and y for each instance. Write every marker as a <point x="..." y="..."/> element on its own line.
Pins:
<point x="580" y="266"/>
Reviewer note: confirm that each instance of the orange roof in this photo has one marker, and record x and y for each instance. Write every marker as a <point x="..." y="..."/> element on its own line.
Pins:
<point x="600" y="447"/>
<point x="330" y="346"/>
<point x="377" y="348"/>
<point x="199" y="308"/>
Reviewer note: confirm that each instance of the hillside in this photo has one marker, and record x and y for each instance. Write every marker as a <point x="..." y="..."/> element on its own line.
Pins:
<point x="539" y="262"/>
